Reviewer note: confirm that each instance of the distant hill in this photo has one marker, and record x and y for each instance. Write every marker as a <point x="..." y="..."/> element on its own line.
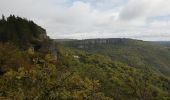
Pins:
<point x="136" y="53"/>
<point x="63" y="40"/>
<point x="164" y="43"/>
<point x="20" y="31"/>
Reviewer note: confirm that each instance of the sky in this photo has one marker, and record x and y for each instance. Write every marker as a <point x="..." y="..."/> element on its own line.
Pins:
<point x="81" y="19"/>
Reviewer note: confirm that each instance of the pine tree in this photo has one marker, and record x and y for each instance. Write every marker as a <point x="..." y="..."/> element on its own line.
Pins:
<point x="3" y="17"/>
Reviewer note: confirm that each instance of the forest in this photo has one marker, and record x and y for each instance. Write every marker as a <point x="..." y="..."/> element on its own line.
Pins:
<point x="35" y="67"/>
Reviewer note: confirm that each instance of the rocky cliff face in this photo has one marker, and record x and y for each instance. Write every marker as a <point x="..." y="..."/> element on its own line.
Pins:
<point x="90" y="42"/>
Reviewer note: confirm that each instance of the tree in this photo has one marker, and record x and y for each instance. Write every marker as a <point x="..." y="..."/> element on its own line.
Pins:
<point x="3" y="17"/>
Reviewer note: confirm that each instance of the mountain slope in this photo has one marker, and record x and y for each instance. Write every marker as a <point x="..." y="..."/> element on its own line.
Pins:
<point x="136" y="53"/>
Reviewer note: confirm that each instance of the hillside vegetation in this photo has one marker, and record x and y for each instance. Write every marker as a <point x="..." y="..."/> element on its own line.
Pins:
<point x="122" y="69"/>
<point x="139" y="54"/>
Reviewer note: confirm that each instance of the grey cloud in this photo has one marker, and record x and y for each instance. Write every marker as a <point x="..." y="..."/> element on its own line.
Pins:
<point x="135" y="9"/>
<point x="94" y="18"/>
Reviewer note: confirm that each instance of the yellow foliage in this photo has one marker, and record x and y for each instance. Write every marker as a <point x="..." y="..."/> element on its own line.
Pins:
<point x="30" y="51"/>
<point x="48" y="57"/>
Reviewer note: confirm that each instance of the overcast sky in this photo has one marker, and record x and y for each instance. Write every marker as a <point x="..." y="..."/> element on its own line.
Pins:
<point x="140" y="19"/>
